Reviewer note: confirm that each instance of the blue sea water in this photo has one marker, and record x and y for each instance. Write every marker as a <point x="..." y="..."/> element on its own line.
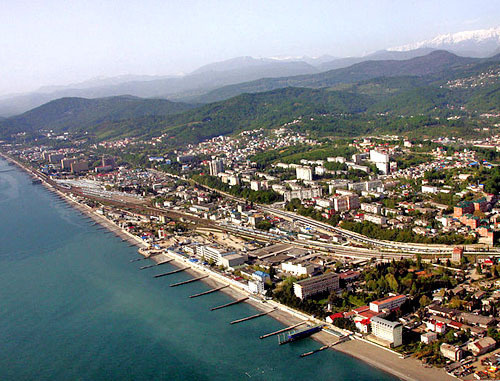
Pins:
<point x="73" y="307"/>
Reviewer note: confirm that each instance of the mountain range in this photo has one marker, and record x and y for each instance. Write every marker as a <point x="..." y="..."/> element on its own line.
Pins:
<point x="205" y="83"/>
<point x="339" y="101"/>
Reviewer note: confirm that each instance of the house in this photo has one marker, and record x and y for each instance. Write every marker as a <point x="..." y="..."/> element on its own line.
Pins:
<point x="435" y="326"/>
<point x="481" y="346"/>
<point x="331" y="318"/>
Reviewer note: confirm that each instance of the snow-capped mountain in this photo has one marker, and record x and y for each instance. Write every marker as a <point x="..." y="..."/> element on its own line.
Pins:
<point x="476" y="43"/>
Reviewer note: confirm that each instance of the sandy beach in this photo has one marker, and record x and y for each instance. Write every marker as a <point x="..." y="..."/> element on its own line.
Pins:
<point x="382" y="358"/>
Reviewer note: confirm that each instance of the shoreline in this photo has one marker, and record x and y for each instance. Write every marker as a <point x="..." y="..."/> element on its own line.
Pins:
<point x="381" y="358"/>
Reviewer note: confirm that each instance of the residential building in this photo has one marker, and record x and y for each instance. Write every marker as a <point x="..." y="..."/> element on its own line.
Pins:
<point x="456" y="256"/>
<point x="66" y="163"/>
<point x="215" y="167"/>
<point x="261" y="276"/>
<point x="304" y="173"/>
<point x="55" y="158"/>
<point x="373" y="208"/>
<point x="379" y="220"/>
<point x="79" y="166"/>
<point x="315" y="285"/>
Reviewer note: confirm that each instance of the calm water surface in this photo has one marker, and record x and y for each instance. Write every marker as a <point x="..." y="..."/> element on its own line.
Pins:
<point x="73" y="307"/>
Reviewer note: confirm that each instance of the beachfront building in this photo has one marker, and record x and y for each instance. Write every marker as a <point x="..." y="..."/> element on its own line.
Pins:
<point x="220" y="257"/>
<point x="451" y="352"/>
<point x="256" y="287"/>
<point x="323" y="283"/>
<point x="389" y="331"/>
<point x="389" y="303"/>
<point x="231" y="261"/>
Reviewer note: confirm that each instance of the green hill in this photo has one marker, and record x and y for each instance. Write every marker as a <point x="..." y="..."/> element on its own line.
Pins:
<point x="447" y="86"/>
<point x="80" y="113"/>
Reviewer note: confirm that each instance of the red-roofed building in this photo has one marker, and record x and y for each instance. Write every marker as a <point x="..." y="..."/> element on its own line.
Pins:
<point x="455" y="325"/>
<point x="331" y="318"/>
<point x="363" y="325"/>
<point x="390" y="303"/>
<point x="349" y="276"/>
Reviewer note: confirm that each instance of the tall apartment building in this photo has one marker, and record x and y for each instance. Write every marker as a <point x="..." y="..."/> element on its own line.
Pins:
<point x="79" y="166"/>
<point x="66" y="163"/>
<point x="108" y="161"/>
<point x="55" y="158"/>
<point x="304" y="173"/>
<point x="389" y="331"/>
<point x="344" y="203"/>
<point x="303" y="193"/>
<point x="216" y="166"/>
<point x="315" y="285"/>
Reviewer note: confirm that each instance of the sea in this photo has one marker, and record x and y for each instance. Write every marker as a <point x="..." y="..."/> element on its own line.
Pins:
<point x="73" y="307"/>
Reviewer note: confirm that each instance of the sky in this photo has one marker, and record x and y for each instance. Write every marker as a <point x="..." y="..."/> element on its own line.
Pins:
<point x="57" y="42"/>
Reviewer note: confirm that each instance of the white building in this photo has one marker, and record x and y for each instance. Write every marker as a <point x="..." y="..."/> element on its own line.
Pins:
<point x="298" y="269"/>
<point x="304" y="173"/>
<point x="233" y="180"/>
<point x="212" y="253"/>
<point x="373" y="208"/>
<point x="379" y="220"/>
<point x="429" y="189"/>
<point x="256" y="286"/>
<point x="315" y="285"/>
<point x="390" y="303"/>
<point x="381" y="160"/>
<point x="389" y="331"/>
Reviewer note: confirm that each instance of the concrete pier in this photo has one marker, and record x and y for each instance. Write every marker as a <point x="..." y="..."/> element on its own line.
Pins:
<point x="229" y="304"/>
<point x="282" y="330"/>
<point x="209" y="291"/>
<point x="251" y="317"/>
<point x="189" y="281"/>
<point x="321" y="349"/>
<point x="171" y="272"/>
<point x="156" y="264"/>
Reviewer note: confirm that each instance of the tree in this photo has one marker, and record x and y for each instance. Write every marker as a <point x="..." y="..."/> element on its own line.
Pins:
<point x="424" y="301"/>
<point x="419" y="261"/>
<point x="392" y="282"/>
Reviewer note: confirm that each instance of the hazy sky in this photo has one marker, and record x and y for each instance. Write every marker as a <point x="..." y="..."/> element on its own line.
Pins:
<point x="49" y="42"/>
